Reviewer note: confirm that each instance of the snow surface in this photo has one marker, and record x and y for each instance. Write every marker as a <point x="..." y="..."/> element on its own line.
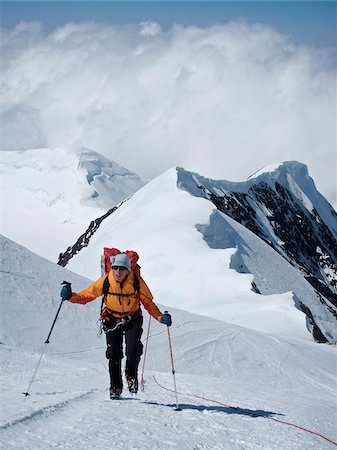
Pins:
<point x="276" y="168"/>
<point x="56" y="193"/>
<point x="174" y="233"/>
<point x="257" y="378"/>
<point x="247" y="359"/>
<point x="270" y="168"/>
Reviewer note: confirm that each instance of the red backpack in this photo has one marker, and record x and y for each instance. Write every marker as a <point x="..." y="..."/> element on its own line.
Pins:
<point x="106" y="263"/>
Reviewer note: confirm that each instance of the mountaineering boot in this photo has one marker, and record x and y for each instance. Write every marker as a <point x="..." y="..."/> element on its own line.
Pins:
<point x="115" y="393"/>
<point x="132" y="384"/>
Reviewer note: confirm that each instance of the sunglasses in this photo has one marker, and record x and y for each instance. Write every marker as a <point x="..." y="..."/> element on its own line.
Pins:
<point x="119" y="268"/>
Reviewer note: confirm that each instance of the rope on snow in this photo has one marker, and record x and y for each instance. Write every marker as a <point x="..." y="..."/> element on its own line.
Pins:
<point x="241" y="409"/>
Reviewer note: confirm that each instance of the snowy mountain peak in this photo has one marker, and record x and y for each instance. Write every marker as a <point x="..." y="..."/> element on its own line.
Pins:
<point x="295" y="177"/>
<point x="109" y="182"/>
<point x="57" y="192"/>
<point x="98" y="165"/>
<point x="282" y="206"/>
<point x="276" y="170"/>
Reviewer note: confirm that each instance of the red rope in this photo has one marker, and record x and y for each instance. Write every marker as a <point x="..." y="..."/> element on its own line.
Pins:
<point x="257" y="415"/>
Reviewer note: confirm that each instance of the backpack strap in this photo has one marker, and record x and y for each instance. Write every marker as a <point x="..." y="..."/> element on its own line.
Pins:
<point x="136" y="284"/>
<point x="106" y="287"/>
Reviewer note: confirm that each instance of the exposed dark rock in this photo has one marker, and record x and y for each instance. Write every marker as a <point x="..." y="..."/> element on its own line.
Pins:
<point x="84" y="239"/>
<point x="316" y="332"/>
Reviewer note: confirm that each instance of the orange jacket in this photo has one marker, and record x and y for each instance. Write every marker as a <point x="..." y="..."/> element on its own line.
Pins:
<point x="120" y="305"/>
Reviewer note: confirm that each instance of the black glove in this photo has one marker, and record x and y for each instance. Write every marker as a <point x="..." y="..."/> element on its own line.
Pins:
<point x="66" y="292"/>
<point x="166" y="319"/>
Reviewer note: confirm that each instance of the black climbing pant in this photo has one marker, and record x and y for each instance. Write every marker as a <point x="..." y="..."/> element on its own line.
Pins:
<point x="133" y="348"/>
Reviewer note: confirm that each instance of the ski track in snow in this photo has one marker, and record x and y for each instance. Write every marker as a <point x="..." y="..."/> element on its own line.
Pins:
<point x="69" y="405"/>
<point x="46" y="411"/>
<point x="80" y="424"/>
<point x="91" y="420"/>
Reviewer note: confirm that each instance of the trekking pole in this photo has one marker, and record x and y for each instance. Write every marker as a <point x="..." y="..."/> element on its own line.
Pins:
<point x="172" y="363"/>
<point x="145" y="351"/>
<point x="66" y="283"/>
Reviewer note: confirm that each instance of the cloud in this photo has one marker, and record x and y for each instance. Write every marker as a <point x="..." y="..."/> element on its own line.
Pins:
<point x="223" y="101"/>
<point x="21" y="127"/>
<point x="150" y="28"/>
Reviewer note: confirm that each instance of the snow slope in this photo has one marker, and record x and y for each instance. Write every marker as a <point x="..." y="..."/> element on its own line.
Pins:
<point x="246" y="386"/>
<point x="30" y="287"/>
<point x="174" y="233"/>
<point x="49" y="196"/>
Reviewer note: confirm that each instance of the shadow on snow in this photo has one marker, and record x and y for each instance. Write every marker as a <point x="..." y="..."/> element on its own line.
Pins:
<point x="222" y="409"/>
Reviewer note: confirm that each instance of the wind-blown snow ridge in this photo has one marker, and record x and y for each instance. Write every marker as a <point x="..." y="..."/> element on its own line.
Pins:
<point x="281" y="205"/>
<point x="266" y="169"/>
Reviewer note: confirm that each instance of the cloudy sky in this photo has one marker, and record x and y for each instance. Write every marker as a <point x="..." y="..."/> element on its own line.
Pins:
<point x="221" y="88"/>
